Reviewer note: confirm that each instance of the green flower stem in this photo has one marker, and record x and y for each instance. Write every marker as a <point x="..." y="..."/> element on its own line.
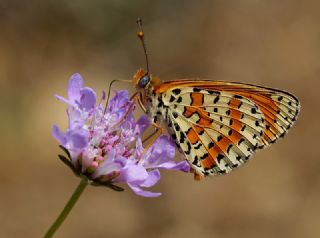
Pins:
<point x="66" y="210"/>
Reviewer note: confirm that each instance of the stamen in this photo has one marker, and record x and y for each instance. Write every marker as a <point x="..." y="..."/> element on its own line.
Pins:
<point x="93" y="166"/>
<point x="108" y="148"/>
<point x="99" y="158"/>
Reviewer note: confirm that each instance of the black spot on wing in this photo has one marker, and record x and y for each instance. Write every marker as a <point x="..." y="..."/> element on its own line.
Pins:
<point x="253" y="110"/>
<point x="212" y="92"/>
<point x="155" y="119"/>
<point x="210" y="145"/>
<point x="160" y="102"/>
<point x="187" y="152"/>
<point x="229" y="148"/>
<point x="175" y="115"/>
<point x="240" y="141"/>
<point x="205" y="155"/>
<point x="176" y="91"/>
<point x="182" y="137"/>
<point x="220" y="157"/>
<point x="198" y="146"/>
<point x="195" y="161"/>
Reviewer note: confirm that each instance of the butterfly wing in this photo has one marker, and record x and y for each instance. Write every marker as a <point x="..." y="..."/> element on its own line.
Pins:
<point x="219" y="125"/>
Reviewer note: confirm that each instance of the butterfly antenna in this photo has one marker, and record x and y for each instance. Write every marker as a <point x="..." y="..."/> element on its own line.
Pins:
<point x="140" y="34"/>
<point x="109" y="91"/>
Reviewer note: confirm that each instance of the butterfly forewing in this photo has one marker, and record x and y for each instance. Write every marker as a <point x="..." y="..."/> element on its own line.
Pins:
<point x="219" y="125"/>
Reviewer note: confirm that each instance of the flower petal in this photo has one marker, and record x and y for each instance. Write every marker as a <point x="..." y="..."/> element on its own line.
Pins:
<point x="119" y="105"/>
<point x="62" y="99"/>
<point x="161" y="151"/>
<point x="78" y="138"/>
<point x="153" y="178"/>
<point x="108" y="165"/>
<point x="119" y="100"/>
<point x="74" y="87"/>
<point x="139" y="148"/>
<point x="134" y="174"/>
<point x="139" y="191"/>
<point x="143" y="123"/>
<point x="88" y="99"/>
<point x="171" y="165"/>
<point x="58" y="135"/>
<point x="77" y="118"/>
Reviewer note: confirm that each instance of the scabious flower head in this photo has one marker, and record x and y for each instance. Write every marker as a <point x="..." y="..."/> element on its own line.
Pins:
<point x="104" y="144"/>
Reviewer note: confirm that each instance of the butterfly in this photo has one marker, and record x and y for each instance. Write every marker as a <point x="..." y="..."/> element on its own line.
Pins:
<point x="217" y="125"/>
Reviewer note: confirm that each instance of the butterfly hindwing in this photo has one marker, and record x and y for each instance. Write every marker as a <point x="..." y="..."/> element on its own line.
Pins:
<point x="222" y="136"/>
<point x="219" y="125"/>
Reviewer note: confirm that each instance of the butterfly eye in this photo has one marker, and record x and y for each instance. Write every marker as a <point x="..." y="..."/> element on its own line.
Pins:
<point x="144" y="81"/>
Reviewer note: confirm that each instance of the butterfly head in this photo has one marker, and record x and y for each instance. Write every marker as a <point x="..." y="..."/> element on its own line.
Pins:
<point x="143" y="80"/>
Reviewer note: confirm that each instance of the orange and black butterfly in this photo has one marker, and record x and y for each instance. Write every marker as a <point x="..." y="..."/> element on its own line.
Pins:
<point x="217" y="125"/>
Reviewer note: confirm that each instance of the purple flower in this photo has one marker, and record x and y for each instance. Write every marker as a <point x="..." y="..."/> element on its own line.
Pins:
<point x="105" y="145"/>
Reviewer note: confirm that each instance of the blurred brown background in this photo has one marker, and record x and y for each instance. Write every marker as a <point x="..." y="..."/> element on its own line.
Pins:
<point x="268" y="42"/>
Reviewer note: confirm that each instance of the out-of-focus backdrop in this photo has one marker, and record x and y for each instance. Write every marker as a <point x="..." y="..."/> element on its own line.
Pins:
<point x="268" y="42"/>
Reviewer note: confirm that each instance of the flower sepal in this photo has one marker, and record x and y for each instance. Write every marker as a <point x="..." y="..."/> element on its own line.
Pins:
<point x="67" y="161"/>
<point x="69" y="164"/>
<point x="108" y="185"/>
<point x="65" y="151"/>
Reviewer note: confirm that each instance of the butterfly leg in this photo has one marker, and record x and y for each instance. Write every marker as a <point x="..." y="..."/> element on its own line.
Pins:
<point x="134" y="99"/>
<point x="154" y="136"/>
<point x="151" y="135"/>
